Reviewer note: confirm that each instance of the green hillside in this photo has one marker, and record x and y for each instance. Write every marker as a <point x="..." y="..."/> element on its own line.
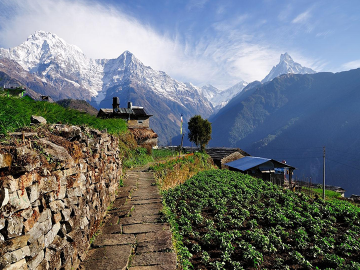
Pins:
<point x="292" y="117"/>
<point x="228" y="220"/>
<point x="16" y="113"/>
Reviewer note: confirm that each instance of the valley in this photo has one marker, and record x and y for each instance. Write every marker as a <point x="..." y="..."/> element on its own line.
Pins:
<point x="290" y="115"/>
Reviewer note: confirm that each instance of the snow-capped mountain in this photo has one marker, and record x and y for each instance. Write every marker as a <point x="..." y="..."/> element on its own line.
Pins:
<point x="220" y="98"/>
<point x="128" y="67"/>
<point x="225" y="96"/>
<point x="285" y="66"/>
<point x="67" y="69"/>
<point x="52" y="59"/>
<point x="209" y="91"/>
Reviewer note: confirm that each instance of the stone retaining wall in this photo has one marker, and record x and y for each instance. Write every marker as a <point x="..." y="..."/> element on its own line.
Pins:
<point x="55" y="186"/>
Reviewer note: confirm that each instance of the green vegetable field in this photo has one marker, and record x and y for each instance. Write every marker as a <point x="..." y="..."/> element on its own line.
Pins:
<point x="227" y="220"/>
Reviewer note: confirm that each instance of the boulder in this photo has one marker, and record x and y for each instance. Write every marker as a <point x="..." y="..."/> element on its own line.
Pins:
<point x="5" y="160"/>
<point x="37" y="119"/>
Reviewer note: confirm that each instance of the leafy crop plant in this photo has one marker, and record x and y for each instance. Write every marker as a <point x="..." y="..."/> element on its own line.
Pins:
<point x="229" y="220"/>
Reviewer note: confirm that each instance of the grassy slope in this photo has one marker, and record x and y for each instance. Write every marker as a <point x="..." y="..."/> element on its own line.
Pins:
<point x="177" y="170"/>
<point x="227" y="220"/>
<point x="15" y="113"/>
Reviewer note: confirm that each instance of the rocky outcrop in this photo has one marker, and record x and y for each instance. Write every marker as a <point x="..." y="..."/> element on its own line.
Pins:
<point x="55" y="187"/>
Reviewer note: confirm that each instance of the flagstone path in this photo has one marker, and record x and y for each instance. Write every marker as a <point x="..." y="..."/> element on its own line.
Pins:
<point x="133" y="236"/>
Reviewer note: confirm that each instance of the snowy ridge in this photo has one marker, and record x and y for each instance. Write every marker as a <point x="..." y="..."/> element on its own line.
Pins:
<point x="220" y="98"/>
<point x="52" y="60"/>
<point x="285" y="66"/>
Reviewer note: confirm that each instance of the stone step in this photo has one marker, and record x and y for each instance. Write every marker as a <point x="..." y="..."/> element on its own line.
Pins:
<point x="134" y="236"/>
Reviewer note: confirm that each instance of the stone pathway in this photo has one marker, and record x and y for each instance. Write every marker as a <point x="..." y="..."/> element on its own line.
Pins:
<point x="133" y="236"/>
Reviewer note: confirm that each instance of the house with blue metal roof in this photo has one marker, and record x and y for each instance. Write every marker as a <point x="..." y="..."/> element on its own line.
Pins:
<point x="264" y="168"/>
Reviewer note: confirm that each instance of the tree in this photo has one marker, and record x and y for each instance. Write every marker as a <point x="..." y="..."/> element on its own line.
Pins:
<point x="199" y="131"/>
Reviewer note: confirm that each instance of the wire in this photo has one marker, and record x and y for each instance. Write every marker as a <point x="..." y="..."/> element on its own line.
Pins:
<point x="343" y="164"/>
<point x="291" y="149"/>
<point x="300" y="157"/>
<point x="339" y="150"/>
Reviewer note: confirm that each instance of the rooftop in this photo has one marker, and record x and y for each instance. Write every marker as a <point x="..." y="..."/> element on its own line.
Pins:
<point x="248" y="162"/>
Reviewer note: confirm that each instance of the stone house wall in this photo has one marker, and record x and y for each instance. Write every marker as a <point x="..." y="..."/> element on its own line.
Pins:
<point x="55" y="186"/>
<point x="229" y="158"/>
<point x="139" y="123"/>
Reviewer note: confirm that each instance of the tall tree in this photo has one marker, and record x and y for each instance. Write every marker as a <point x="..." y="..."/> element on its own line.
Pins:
<point x="199" y="131"/>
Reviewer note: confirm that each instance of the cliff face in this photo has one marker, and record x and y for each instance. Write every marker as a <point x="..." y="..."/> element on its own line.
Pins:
<point x="55" y="187"/>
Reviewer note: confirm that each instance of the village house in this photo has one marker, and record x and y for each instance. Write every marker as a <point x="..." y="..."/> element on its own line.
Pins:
<point x="264" y="168"/>
<point x="14" y="91"/>
<point x="138" y="121"/>
<point x="223" y="155"/>
<point x="47" y="99"/>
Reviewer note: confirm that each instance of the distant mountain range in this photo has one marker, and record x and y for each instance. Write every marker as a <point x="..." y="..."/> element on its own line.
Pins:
<point x="290" y="114"/>
<point x="48" y="65"/>
<point x="220" y="98"/>
<point x="292" y="117"/>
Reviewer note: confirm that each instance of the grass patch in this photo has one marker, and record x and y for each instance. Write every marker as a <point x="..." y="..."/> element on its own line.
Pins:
<point x="15" y="113"/>
<point x="137" y="157"/>
<point x="161" y="154"/>
<point x="329" y="194"/>
<point x="176" y="171"/>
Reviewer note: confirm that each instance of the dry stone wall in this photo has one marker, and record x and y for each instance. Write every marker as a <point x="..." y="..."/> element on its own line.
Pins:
<point x="56" y="183"/>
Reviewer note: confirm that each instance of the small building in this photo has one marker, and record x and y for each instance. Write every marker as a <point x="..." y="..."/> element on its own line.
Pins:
<point x="222" y="155"/>
<point x="137" y="118"/>
<point x="264" y="168"/>
<point x="14" y="91"/>
<point x="47" y="99"/>
<point x="336" y="189"/>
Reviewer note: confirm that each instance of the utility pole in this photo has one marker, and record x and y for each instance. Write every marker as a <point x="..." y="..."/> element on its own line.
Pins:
<point x="324" y="175"/>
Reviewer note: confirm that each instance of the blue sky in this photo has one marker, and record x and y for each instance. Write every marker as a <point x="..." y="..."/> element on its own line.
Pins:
<point x="217" y="42"/>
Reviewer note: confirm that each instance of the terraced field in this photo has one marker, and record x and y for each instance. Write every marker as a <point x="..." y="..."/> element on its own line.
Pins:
<point x="227" y="220"/>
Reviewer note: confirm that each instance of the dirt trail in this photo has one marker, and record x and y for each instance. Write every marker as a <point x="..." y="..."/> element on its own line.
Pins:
<point x="133" y="236"/>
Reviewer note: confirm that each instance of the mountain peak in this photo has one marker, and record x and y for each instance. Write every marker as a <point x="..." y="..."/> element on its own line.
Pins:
<point x="128" y="54"/>
<point x="128" y="58"/>
<point x="42" y="35"/>
<point x="285" y="66"/>
<point x="286" y="57"/>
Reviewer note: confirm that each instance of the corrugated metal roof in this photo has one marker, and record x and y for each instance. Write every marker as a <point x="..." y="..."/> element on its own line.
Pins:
<point x="125" y="111"/>
<point x="138" y="111"/>
<point x="247" y="163"/>
<point x="107" y="110"/>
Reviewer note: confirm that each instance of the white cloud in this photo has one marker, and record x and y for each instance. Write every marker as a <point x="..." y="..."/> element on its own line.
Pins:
<point x="302" y="18"/>
<point x="324" y="34"/>
<point x="351" y="65"/>
<point x="100" y="32"/>
<point x="196" y="4"/>
<point x="222" y="58"/>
